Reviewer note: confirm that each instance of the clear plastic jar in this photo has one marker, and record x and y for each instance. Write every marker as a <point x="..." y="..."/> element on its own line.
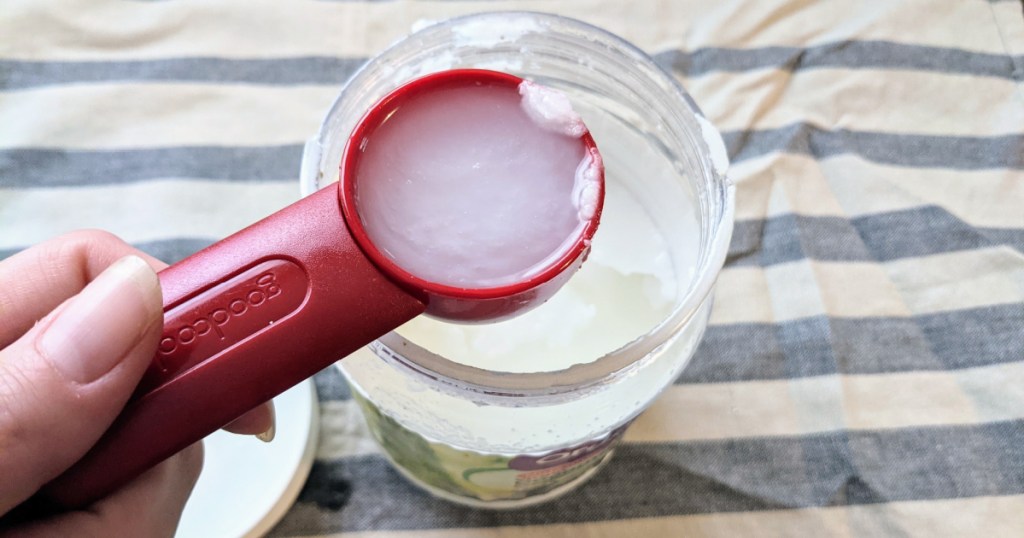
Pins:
<point x="522" y="411"/>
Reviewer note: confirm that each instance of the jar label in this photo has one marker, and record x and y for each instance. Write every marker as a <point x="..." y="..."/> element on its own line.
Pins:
<point x="485" y="477"/>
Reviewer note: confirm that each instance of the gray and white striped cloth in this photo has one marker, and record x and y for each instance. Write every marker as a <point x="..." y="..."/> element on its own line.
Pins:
<point x="863" y="373"/>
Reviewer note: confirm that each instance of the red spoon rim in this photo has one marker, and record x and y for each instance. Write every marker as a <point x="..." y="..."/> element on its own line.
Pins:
<point x="347" y="190"/>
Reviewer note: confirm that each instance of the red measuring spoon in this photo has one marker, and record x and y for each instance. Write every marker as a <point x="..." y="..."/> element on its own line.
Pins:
<point x="271" y="305"/>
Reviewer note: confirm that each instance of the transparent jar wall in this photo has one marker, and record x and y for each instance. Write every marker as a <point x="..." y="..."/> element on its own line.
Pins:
<point x="638" y="116"/>
<point x="532" y="426"/>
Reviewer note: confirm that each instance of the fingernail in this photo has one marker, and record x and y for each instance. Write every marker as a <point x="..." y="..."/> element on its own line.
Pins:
<point x="268" y="435"/>
<point x="99" y="326"/>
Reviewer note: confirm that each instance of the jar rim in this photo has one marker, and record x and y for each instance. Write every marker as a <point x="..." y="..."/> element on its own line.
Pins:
<point x="510" y="387"/>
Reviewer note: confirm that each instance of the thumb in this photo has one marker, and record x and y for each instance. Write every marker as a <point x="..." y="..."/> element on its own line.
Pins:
<point x="65" y="380"/>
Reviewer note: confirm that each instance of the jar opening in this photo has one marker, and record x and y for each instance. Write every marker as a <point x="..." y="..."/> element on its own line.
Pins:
<point x="547" y="49"/>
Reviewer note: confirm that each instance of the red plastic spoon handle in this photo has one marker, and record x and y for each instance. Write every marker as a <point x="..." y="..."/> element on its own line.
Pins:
<point x="244" y="320"/>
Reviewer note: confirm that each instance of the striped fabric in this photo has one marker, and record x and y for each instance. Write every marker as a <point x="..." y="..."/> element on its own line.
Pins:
<point x="863" y="374"/>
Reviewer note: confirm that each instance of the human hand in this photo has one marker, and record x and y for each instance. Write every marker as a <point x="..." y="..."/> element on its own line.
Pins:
<point x="80" y="319"/>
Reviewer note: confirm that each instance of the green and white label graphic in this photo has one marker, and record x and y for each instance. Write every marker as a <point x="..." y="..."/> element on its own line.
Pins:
<point x="485" y="477"/>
